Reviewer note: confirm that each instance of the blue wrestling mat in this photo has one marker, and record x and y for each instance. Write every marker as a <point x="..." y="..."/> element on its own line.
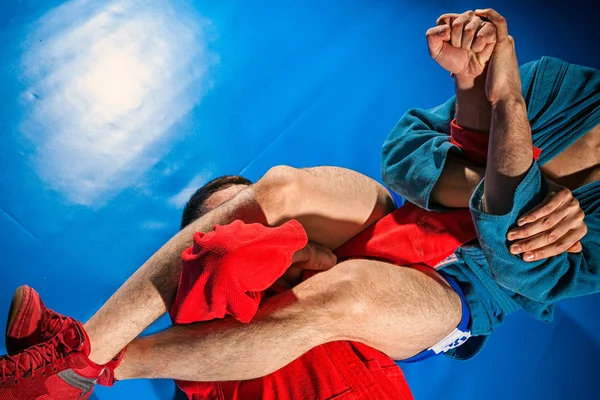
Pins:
<point x="113" y="113"/>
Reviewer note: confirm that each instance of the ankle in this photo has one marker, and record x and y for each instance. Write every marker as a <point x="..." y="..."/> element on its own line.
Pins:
<point x="130" y="367"/>
<point x="98" y="358"/>
<point x="97" y="354"/>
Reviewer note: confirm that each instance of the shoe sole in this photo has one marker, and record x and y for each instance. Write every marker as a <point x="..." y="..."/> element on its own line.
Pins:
<point x="21" y="300"/>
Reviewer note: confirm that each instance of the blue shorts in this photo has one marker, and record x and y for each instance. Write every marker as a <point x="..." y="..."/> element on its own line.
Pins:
<point x="398" y="200"/>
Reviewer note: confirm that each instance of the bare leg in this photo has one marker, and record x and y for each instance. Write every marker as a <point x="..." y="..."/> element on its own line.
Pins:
<point x="397" y="310"/>
<point x="333" y="204"/>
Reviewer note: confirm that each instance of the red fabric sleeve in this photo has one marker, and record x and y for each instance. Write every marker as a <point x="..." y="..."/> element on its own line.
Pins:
<point x="227" y="270"/>
<point x="475" y="144"/>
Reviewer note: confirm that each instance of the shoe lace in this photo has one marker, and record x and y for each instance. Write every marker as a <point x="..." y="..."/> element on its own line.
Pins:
<point x="30" y="360"/>
<point x="53" y="323"/>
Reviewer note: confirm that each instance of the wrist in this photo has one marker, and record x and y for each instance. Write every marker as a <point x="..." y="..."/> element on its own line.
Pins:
<point x="463" y="82"/>
<point x="472" y="107"/>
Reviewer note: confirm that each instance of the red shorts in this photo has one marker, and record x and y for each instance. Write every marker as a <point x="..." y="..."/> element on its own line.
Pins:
<point x="336" y="370"/>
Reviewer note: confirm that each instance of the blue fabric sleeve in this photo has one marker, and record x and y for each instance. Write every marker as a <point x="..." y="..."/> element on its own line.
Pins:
<point x="545" y="281"/>
<point x="563" y="103"/>
<point x="414" y="153"/>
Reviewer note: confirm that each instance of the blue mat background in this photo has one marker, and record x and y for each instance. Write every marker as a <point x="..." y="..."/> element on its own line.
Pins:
<point x="112" y="113"/>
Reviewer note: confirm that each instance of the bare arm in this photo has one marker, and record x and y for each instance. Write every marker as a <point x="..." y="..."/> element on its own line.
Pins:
<point x="513" y="186"/>
<point x="460" y="177"/>
<point x="510" y="153"/>
<point x="462" y="44"/>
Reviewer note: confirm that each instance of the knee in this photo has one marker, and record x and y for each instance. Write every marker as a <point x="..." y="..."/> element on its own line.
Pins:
<point x="277" y="191"/>
<point x="378" y="304"/>
<point x="342" y="298"/>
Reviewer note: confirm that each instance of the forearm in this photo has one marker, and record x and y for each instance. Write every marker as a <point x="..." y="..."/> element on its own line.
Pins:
<point x="460" y="177"/>
<point x="473" y="110"/>
<point x="457" y="182"/>
<point x="510" y="154"/>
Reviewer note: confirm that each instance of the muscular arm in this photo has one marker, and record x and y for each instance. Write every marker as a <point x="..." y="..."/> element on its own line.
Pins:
<point x="510" y="147"/>
<point x="462" y="44"/>
<point x="513" y="185"/>
<point x="460" y="177"/>
<point x="510" y="153"/>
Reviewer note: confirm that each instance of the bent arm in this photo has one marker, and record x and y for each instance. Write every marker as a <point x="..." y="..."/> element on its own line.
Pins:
<point x="420" y="162"/>
<point x="546" y="281"/>
<point x="510" y="154"/>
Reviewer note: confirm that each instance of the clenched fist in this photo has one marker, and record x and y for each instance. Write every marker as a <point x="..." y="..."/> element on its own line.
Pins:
<point x="462" y="44"/>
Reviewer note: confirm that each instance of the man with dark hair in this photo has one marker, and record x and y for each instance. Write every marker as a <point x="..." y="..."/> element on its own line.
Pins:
<point x="212" y="195"/>
<point x="402" y="312"/>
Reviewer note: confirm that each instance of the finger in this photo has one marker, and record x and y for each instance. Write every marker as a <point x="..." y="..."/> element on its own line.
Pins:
<point x="435" y="39"/>
<point x="469" y="32"/>
<point x="484" y="36"/>
<point x="314" y="257"/>
<point x="447" y="19"/>
<point x="543" y="238"/>
<point x="550" y="203"/>
<point x="545" y="224"/>
<point x="556" y="248"/>
<point x="324" y="260"/>
<point x="576" y="248"/>
<point x="457" y="30"/>
<point x="498" y="20"/>
<point x="484" y="55"/>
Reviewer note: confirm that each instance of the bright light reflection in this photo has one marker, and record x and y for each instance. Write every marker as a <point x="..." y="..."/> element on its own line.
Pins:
<point x="104" y="90"/>
<point x="118" y="81"/>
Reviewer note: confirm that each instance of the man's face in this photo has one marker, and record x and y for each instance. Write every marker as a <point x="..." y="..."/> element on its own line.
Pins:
<point x="223" y="195"/>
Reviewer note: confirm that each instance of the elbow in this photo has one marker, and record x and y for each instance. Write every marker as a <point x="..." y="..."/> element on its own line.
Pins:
<point x="389" y="157"/>
<point x="395" y="161"/>
<point x="277" y="191"/>
<point x="389" y="166"/>
<point x="394" y="177"/>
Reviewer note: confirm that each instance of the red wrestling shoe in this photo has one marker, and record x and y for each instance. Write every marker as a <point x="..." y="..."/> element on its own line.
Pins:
<point x="29" y="321"/>
<point x="58" y="366"/>
<point x="56" y="369"/>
